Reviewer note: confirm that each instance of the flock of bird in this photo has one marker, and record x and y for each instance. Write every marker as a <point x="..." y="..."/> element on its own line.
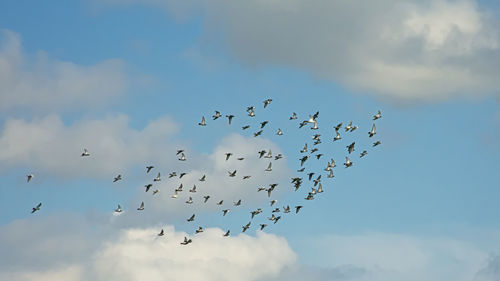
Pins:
<point x="307" y="153"/>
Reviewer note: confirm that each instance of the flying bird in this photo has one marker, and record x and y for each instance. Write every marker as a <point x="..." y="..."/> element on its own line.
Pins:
<point x="376" y="143"/>
<point x="37" y="208"/>
<point x="158" y="177"/>
<point x="279" y="132"/>
<point x="117" y="178"/>
<point x="199" y="230"/>
<point x="161" y="232"/>
<point x="348" y="162"/>
<point x="85" y="153"/>
<point x="217" y="115"/>
<point x="202" y="178"/>
<point x="377" y="116"/>
<point x="350" y="148"/>
<point x="227" y="233"/>
<point x="245" y="127"/>
<point x="183" y="157"/>
<point x="294" y="116"/>
<point x="232" y="174"/>
<point x="230" y="118"/>
<point x="297" y="209"/>
<point x="148" y="186"/>
<point x="191" y="218"/>
<point x="269" y="167"/>
<point x="372" y="132"/>
<point x="186" y="241"/>
<point x="363" y="154"/>
<point x="202" y="123"/>
<point x="263" y="124"/>
<point x="228" y="155"/>
<point x="29" y="177"/>
<point x="141" y="207"/>
<point x="148" y="168"/>
<point x="118" y="209"/>
<point x="267" y="102"/>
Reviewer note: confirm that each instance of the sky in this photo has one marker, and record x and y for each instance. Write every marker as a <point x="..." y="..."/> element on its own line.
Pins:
<point x="130" y="80"/>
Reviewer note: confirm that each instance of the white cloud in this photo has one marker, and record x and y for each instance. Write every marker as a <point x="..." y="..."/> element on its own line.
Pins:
<point x="42" y="84"/>
<point x="399" y="49"/>
<point x="139" y="254"/>
<point x="48" y="146"/>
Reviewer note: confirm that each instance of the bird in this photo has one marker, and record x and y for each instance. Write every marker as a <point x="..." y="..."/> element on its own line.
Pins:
<point x="202" y="123"/>
<point x="155" y="191"/>
<point x="315" y="126"/>
<point x="182" y="174"/>
<point x="304" y="149"/>
<point x="297" y="209"/>
<point x="245" y="127"/>
<point x="240" y="158"/>
<point x="353" y="128"/>
<point x="85" y="153"/>
<point x="29" y="177"/>
<point x="158" y="177"/>
<point x="260" y="188"/>
<point x="220" y="202"/>
<point x="179" y="189"/>
<point x="206" y="198"/>
<point x="179" y="151"/>
<point x="269" y="167"/>
<point x="246" y="177"/>
<point x="251" y="113"/>
<point x="277" y="219"/>
<point x="117" y="178"/>
<point x="377" y="116"/>
<point x="363" y="154"/>
<point x="161" y="232"/>
<point x="330" y="175"/>
<point x="224" y="212"/>
<point x="186" y="241"/>
<point x="303" y="123"/>
<point x="279" y="132"/>
<point x="193" y="190"/>
<point x="310" y="196"/>
<point x="269" y="154"/>
<point x="173" y="174"/>
<point x="317" y="180"/>
<point x="228" y="155"/>
<point x="263" y="124"/>
<point x="349" y="126"/>
<point x="148" y="168"/>
<point x="320" y="188"/>
<point x="311" y="174"/>
<point x="301" y="170"/>
<point x="279" y="156"/>
<point x="202" y="178"/>
<point x="337" y="128"/>
<point x="246" y="226"/>
<point x="230" y="118"/>
<point x="237" y="203"/>
<point x="227" y="233"/>
<point x="232" y="174"/>
<point x="37" y="208"/>
<point x="372" y="132"/>
<point x="148" y="186"/>
<point x="258" y="133"/>
<point x="141" y="207"/>
<point x="250" y="108"/>
<point x="294" y="116"/>
<point x="337" y="137"/>
<point x="272" y="202"/>
<point x="376" y="143"/>
<point x="199" y="230"/>
<point x="262" y="153"/>
<point x="348" y="162"/>
<point x="350" y="148"/>
<point x="191" y="218"/>
<point x="314" y="150"/>
<point x="190" y="200"/>
<point x="267" y="102"/>
<point x="286" y="209"/>
<point x="262" y="226"/>
<point x="319" y="155"/>
<point x="303" y="160"/>
<point x="118" y="209"/>
<point x="183" y="157"/>
<point x="217" y="115"/>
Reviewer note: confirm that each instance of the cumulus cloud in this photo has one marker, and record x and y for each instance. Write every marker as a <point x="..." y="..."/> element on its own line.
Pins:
<point x="35" y="81"/>
<point x="49" y="146"/>
<point x="138" y="254"/>
<point x="398" y="49"/>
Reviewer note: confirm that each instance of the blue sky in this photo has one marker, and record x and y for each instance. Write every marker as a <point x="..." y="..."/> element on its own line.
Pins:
<point x="131" y="80"/>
